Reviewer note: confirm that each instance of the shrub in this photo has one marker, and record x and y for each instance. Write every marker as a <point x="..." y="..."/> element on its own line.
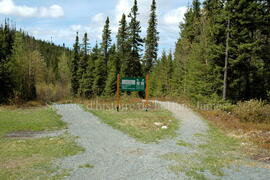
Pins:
<point x="52" y="92"/>
<point x="253" y="111"/>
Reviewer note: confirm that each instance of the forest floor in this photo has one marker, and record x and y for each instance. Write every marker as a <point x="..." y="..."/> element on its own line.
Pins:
<point x="197" y="151"/>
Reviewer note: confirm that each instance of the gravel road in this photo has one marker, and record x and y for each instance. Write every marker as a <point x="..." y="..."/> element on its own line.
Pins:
<point x="116" y="156"/>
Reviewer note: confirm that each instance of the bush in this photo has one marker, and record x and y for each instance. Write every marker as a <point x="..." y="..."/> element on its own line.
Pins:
<point x="253" y="111"/>
<point x="51" y="92"/>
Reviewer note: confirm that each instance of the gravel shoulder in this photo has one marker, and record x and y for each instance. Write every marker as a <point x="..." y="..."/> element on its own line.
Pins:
<point x="115" y="156"/>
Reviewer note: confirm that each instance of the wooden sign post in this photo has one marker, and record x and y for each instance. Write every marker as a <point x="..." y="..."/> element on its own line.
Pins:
<point x="147" y="91"/>
<point x="118" y="91"/>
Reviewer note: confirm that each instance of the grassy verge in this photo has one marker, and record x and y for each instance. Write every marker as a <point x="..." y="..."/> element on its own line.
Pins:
<point x="37" y="119"/>
<point x="32" y="158"/>
<point x="257" y="133"/>
<point x="218" y="152"/>
<point x="140" y="124"/>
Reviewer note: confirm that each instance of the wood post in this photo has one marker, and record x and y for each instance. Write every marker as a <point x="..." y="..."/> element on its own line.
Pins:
<point x="118" y="92"/>
<point x="147" y="92"/>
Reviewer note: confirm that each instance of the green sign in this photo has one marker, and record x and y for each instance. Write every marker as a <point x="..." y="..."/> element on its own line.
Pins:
<point x="132" y="84"/>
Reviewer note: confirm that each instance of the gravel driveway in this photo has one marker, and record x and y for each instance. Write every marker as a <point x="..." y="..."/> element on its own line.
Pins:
<point x="116" y="156"/>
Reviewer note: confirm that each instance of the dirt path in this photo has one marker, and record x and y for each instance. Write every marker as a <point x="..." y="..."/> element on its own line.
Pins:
<point x="116" y="156"/>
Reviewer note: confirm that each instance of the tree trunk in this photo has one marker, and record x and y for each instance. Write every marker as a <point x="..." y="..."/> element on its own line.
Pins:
<point x="226" y="63"/>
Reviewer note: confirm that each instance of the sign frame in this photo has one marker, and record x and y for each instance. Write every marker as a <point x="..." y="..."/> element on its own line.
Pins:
<point x="133" y="84"/>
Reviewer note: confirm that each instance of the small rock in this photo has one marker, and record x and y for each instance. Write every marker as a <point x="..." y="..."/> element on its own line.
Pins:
<point x="164" y="127"/>
<point x="158" y="124"/>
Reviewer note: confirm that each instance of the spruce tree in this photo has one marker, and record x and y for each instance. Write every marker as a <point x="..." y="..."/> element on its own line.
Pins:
<point x="83" y="63"/>
<point x="111" y="82"/>
<point x="100" y="74"/>
<point x="89" y="75"/>
<point x="151" y="42"/>
<point x="135" y="42"/>
<point x="248" y="54"/>
<point x="6" y="81"/>
<point x="122" y="46"/>
<point x="74" y="67"/>
<point x="106" y="41"/>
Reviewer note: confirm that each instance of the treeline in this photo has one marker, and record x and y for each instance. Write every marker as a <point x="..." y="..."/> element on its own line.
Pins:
<point x="94" y="71"/>
<point x="31" y="69"/>
<point x="223" y="53"/>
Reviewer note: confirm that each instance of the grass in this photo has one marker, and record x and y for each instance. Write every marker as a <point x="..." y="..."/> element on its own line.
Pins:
<point x="140" y="124"/>
<point x="37" y="119"/>
<point x="218" y="152"/>
<point x="32" y="158"/>
<point x="183" y="143"/>
<point x="86" y="166"/>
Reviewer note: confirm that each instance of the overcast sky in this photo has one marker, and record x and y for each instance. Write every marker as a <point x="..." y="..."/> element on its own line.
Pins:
<point x="60" y="19"/>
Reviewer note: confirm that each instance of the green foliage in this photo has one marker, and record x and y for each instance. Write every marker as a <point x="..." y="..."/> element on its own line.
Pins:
<point x="123" y="47"/>
<point x="135" y="42"/>
<point x="151" y="41"/>
<point x="106" y="42"/>
<point x="199" y="59"/>
<point x="113" y="67"/>
<point x="83" y="64"/>
<point x="75" y="66"/>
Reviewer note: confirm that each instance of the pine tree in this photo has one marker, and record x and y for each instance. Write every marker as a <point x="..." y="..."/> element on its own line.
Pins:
<point x="74" y="67"/>
<point x="151" y="42"/>
<point x="6" y="81"/>
<point x="100" y="74"/>
<point x="122" y="46"/>
<point x="113" y="67"/>
<point x="135" y="42"/>
<point x="106" y="41"/>
<point x="248" y="54"/>
<point x="83" y="63"/>
<point x="89" y="75"/>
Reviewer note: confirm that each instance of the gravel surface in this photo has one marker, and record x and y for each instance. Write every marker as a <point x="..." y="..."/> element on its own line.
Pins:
<point x="116" y="156"/>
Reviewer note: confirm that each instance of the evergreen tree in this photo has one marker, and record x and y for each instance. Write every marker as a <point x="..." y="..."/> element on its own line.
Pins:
<point x="151" y="42"/>
<point x="100" y="74"/>
<point x="135" y="42"/>
<point x="6" y="43"/>
<point x="89" y="75"/>
<point x="74" y="67"/>
<point x="113" y="67"/>
<point x="106" y="41"/>
<point x="122" y="46"/>
<point x="248" y="54"/>
<point x="83" y="63"/>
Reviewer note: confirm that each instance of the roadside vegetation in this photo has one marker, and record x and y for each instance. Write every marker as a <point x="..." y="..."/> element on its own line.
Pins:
<point x="31" y="158"/>
<point x="248" y="120"/>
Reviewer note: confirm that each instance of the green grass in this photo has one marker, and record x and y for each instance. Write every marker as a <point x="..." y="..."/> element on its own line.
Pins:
<point x="86" y="166"/>
<point x="218" y="152"/>
<point x="140" y="124"/>
<point x="38" y="119"/>
<point x="183" y="143"/>
<point x="32" y="158"/>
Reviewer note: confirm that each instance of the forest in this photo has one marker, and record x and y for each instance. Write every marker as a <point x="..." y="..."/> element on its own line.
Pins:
<point x="222" y="54"/>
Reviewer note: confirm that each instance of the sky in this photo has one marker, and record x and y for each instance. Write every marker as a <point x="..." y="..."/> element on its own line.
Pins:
<point x="58" y="20"/>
